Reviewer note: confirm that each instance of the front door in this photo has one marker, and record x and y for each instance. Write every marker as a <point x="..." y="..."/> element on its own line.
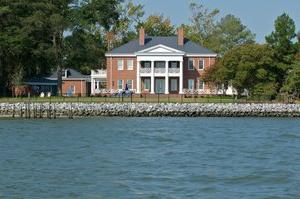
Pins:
<point x="159" y="86"/>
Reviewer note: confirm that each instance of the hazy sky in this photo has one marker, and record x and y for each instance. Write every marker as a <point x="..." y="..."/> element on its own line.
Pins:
<point x="257" y="15"/>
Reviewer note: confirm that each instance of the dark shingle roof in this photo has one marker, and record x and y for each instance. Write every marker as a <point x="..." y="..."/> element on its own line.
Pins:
<point x="41" y="80"/>
<point x="72" y="74"/>
<point x="188" y="47"/>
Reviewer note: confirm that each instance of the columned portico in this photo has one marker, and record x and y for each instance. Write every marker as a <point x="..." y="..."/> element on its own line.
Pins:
<point x="160" y="69"/>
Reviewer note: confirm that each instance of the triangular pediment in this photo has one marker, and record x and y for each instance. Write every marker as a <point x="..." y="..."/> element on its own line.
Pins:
<point x="160" y="49"/>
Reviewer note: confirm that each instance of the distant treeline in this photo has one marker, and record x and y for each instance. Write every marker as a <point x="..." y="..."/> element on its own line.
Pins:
<point x="39" y="37"/>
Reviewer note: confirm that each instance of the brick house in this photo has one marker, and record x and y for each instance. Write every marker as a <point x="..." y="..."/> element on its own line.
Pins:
<point x="167" y="65"/>
<point x="73" y="83"/>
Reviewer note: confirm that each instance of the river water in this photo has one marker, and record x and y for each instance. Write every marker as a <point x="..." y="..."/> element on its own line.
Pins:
<point x="150" y="158"/>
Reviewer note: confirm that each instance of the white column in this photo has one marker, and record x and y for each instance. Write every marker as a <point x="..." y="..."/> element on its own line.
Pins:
<point x="138" y="78"/>
<point x="92" y="86"/>
<point x="167" y="78"/>
<point x="181" y="78"/>
<point x="152" y="78"/>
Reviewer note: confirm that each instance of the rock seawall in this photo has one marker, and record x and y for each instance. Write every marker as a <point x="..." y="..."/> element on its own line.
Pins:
<point x="56" y="110"/>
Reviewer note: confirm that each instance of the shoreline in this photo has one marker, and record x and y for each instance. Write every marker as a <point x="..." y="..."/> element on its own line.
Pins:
<point x="79" y="110"/>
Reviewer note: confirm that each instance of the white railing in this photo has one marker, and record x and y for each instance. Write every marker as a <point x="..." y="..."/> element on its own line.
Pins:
<point x="196" y="91"/>
<point x="98" y="73"/>
<point x="159" y="70"/>
<point x="145" y="70"/>
<point x="174" y="70"/>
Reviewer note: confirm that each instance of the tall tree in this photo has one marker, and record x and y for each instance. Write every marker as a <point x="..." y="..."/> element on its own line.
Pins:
<point x="220" y="36"/>
<point x="129" y="20"/>
<point x="229" y="32"/>
<point x="203" y="23"/>
<point x="281" y="41"/>
<point x="292" y="81"/>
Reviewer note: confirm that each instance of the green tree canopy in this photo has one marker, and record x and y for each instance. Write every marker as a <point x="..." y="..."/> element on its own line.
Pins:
<point x="248" y="67"/>
<point x="158" y="25"/>
<point x="220" y="36"/>
<point x="292" y="81"/>
<point x="229" y="32"/>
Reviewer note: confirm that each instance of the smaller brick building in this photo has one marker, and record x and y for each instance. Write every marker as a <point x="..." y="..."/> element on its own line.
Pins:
<point x="73" y="83"/>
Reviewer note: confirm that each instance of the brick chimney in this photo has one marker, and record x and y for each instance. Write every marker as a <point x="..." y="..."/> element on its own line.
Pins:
<point x="180" y="33"/>
<point x="142" y="36"/>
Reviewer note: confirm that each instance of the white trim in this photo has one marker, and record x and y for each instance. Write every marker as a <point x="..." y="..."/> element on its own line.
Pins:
<point x="200" y="55"/>
<point x="131" y="60"/>
<point x="198" y="84"/>
<point x="118" y="84"/>
<point x="199" y="64"/>
<point x="135" y="54"/>
<point x="193" y="64"/>
<point x="190" y="85"/>
<point x="122" y="64"/>
<point x="131" y="83"/>
<point x="76" y="79"/>
<point x="119" y="55"/>
<point x="173" y="50"/>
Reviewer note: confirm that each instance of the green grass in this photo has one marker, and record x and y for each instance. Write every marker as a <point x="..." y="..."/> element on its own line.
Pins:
<point x="137" y="99"/>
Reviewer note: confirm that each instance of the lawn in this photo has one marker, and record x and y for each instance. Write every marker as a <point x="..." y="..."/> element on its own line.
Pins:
<point x="140" y="99"/>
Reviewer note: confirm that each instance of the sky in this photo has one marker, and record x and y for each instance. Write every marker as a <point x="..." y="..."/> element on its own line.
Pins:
<point x="257" y="15"/>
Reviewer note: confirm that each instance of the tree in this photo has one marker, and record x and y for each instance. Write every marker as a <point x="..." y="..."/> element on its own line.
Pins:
<point x="281" y="41"/>
<point x="85" y="45"/>
<point x="32" y="34"/>
<point x="125" y="29"/>
<point x="292" y="82"/>
<point x="24" y="39"/>
<point x="229" y="32"/>
<point x="203" y="23"/>
<point x="248" y="66"/>
<point x="220" y="36"/>
<point x="158" y="25"/>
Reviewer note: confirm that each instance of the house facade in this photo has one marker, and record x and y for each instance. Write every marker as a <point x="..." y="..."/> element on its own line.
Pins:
<point x="164" y="65"/>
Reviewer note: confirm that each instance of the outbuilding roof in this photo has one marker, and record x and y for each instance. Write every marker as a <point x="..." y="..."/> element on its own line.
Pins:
<point x="72" y="74"/>
<point x="188" y="47"/>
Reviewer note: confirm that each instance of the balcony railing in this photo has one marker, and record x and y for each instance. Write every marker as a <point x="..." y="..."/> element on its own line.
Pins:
<point x="174" y="70"/>
<point x="145" y="70"/>
<point x="98" y="73"/>
<point x="159" y="70"/>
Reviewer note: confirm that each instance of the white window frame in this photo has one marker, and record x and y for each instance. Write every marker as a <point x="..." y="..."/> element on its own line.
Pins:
<point x="176" y="85"/>
<point x="149" y="84"/>
<point x="120" y="67"/>
<point x="119" y="84"/>
<point x="203" y="61"/>
<point x="203" y="84"/>
<point x="74" y="90"/>
<point x="191" y="59"/>
<point x="189" y="81"/>
<point x="131" y="66"/>
<point x="128" y="84"/>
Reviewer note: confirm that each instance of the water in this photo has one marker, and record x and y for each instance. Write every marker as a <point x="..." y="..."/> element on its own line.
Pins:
<point x="150" y="158"/>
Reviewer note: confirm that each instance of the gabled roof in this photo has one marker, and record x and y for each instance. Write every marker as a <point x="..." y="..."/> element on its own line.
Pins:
<point x="188" y="47"/>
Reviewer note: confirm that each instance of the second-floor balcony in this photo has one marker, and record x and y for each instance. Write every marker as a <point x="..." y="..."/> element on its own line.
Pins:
<point x="160" y="67"/>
